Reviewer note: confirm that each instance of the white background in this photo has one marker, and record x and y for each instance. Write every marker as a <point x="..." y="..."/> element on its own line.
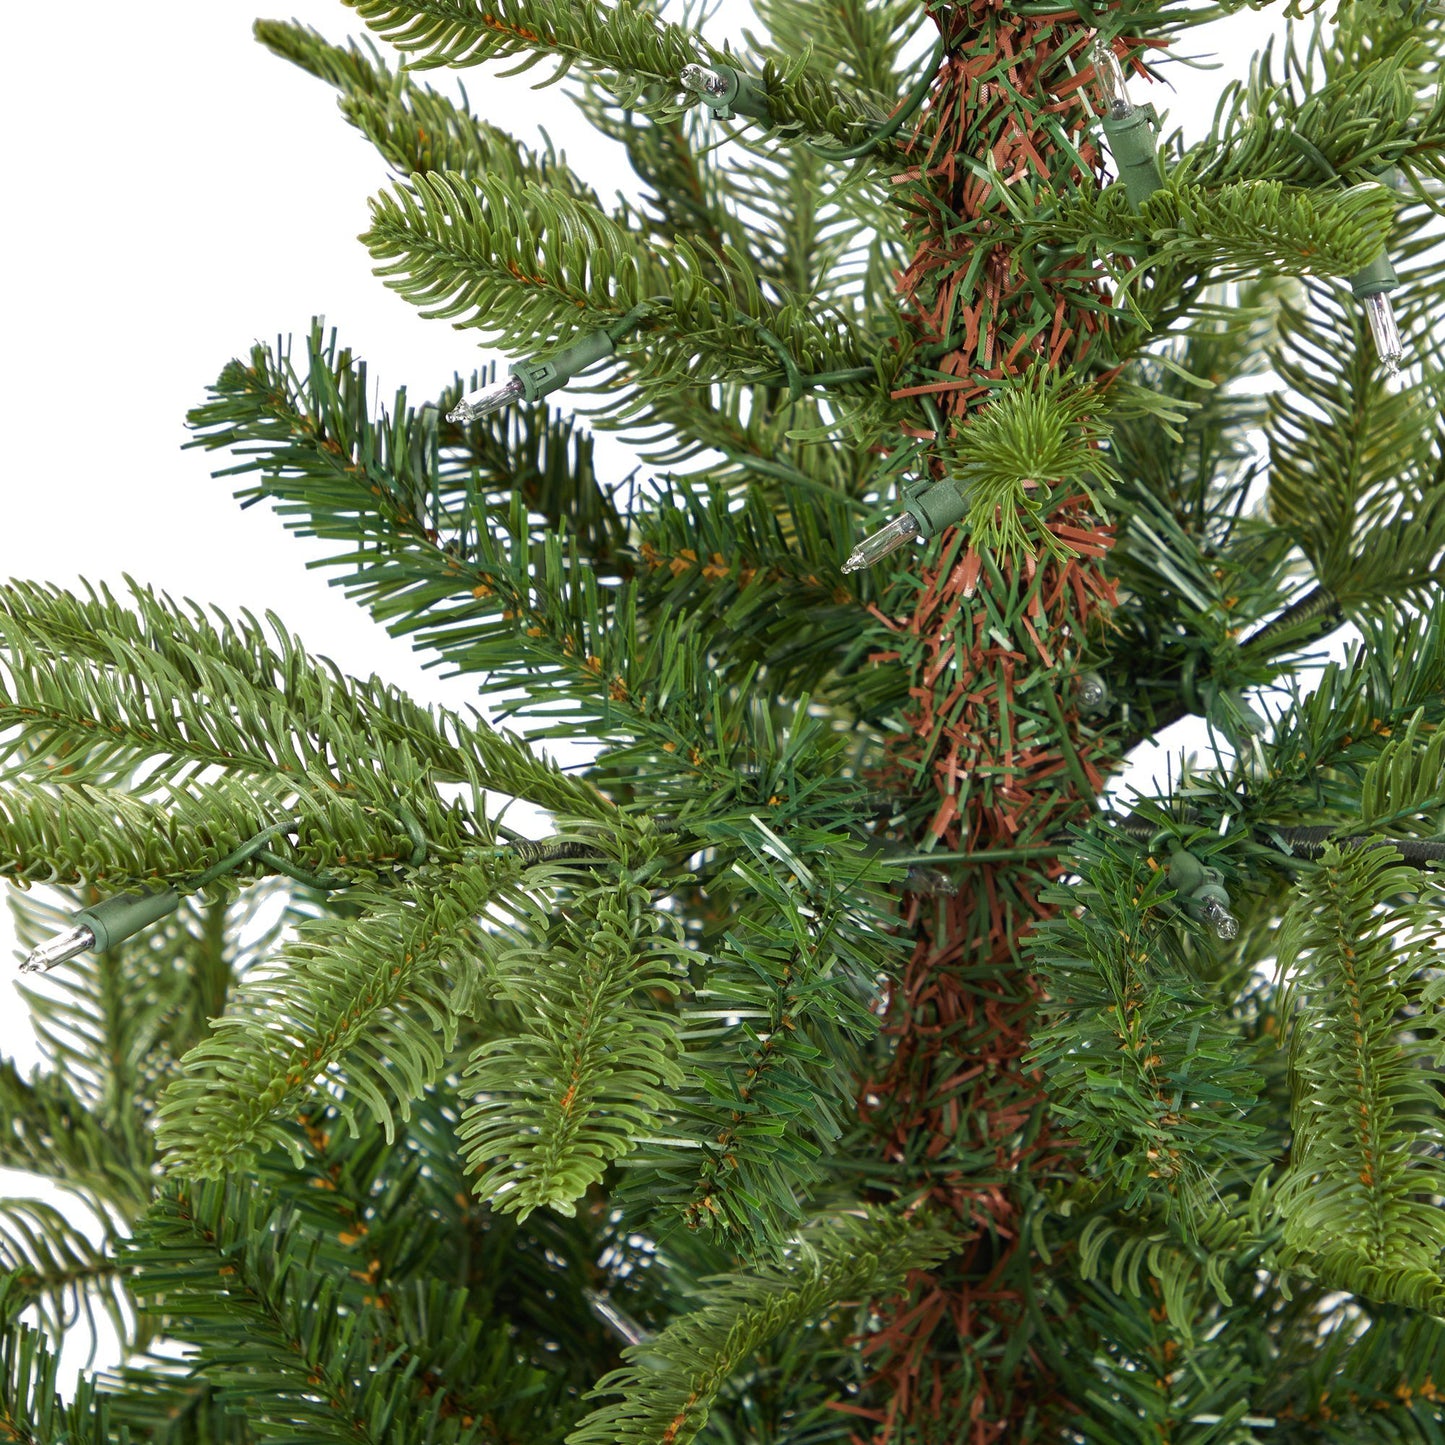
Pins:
<point x="182" y="193"/>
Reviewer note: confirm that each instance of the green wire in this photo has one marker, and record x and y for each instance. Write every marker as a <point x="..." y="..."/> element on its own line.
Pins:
<point x="256" y="848"/>
<point x="797" y="381"/>
<point x="894" y="123"/>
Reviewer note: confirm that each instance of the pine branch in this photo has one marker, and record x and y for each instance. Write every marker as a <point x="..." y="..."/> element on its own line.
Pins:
<point x="158" y="1400"/>
<point x="1357" y="1201"/>
<point x="1330" y="95"/>
<point x="31" y="1409"/>
<point x="234" y="1272"/>
<point x="114" y="1026"/>
<point x="411" y="491"/>
<point x="529" y="267"/>
<point x="1223" y="234"/>
<point x="413" y="127"/>
<point x="788" y="984"/>
<point x="1045" y="431"/>
<point x="46" y="1129"/>
<point x="1406" y="778"/>
<point x="856" y="41"/>
<point x="1354" y="463"/>
<point x="59" y="1271"/>
<point x="629" y="49"/>
<point x="104" y="688"/>
<point x="1138" y="1057"/>
<point x="686" y="189"/>
<point x="671" y="1383"/>
<point x="74" y="833"/>
<point x="374" y="1002"/>
<point x="554" y="1104"/>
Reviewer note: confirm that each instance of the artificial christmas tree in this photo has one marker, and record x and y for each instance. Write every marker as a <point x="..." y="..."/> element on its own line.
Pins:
<point x="835" y="1066"/>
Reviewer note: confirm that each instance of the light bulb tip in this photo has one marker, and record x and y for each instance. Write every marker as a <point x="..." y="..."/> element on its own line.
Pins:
<point x="477" y="404"/>
<point x="57" y="950"/>
<point x="701" y="80"/>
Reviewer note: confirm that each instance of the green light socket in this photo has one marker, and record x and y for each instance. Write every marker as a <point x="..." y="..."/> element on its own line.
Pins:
<point x="539" y="377"/>
<point x="116" y="919"/>
<point x="936" y="505"/>
<point x="1186" y="873"/>
<point x="1376" y="278"/>
<point x="1133" y="146"/>
<point x="743" y="96"/>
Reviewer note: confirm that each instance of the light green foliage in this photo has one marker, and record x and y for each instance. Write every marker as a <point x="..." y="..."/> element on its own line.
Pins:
<point x="413" y="127"/>
<point x="670" y="1383"/>
<point x="1030" y="441"/>
<point x="625" y="45"/>
<point x="374" y="1002"/>
<point x="1226" y="233"/>
<point x="1359" y="90"/>
<point x="158" y="685"/>
<point x="1358" y="1201"/>
<point x="531" y="267"/>
<point x="589" y="1070"/>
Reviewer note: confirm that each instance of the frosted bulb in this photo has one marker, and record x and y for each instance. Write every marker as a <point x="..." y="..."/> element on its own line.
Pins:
<point x="1385" y="330"/>
<point x="477" y="404"/>
<point x="1110" y="75"/>
<point x="55" y="950"/>
<point x="883" y="543"/>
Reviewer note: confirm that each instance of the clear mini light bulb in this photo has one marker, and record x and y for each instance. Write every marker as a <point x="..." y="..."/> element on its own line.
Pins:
<point x="1220" y="919"/>
<point x="883" y="543"/>
<point x="476" y="404"/>
<point x="1110" y="75"/>
<point x="702" y="81"/>
<point x="1385" y="330"/>
<point x="623" y="1326"/>
<point x="64" y="946"/>
<point x="1093" y="693"/>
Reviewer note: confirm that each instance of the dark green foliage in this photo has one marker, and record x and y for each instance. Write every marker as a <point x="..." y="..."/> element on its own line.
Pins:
<point x="1142" y="1059"/>
<point x="1360" y="1195"/>
<point x="280" y="1317"/>
<point x="31" y="1410"/>
<point x="669" y="1384"/>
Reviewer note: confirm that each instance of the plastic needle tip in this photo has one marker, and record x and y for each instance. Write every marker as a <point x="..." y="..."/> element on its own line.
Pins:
<point x="477" y="404"/>
<point x="56" y="950"/>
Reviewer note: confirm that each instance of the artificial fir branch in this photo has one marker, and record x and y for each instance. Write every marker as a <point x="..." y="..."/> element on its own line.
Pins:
<point x="369" y="1001"/>
<point x="630" y="48"/>
<point x="836" y="1261"/>
<point x="673" y="1004"/>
